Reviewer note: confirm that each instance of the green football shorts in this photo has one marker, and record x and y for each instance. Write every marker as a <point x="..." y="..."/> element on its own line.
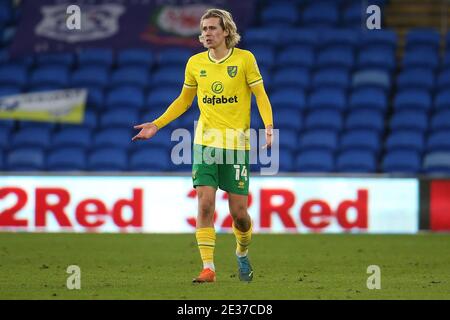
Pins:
<point x="221" y="168"/>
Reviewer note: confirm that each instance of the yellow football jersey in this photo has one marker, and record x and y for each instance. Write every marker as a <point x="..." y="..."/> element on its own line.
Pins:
<point x="224" y="97"/>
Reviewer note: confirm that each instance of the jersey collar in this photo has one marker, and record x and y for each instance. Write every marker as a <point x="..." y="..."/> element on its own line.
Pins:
<point x="230" y="52"/>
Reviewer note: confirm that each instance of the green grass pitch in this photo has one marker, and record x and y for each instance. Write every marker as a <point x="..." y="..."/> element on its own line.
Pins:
<point x="288" y="267"/>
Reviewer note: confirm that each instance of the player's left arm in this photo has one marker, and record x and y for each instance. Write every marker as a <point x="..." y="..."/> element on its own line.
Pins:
<point x="265" y="110"/>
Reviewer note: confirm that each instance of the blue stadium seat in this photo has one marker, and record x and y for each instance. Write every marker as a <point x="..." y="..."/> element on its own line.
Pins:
<point x="162" y="98"/>
<point x="374" y="58"/>
<point x="288" y="98"/>
<point x="7" y="123"/>
<point x="14" y="75"/>
<point x="52" y="76"/>
<point x="307" y="38"/>
<point x="368" y="98"/>
<point x="79" y="137"/>
<point x="403" y="162"/>
<point x="96" y="56"/>
<point x="360" y="140"/>
<point x="296" y="56"/>
<point x="261" y="36"/>
<point x="294" y="77"/>
<point x="113" y="137"/>
<point x="327" y="99"/>
<point x="347" y="38"/>
<point x="365" y="119"/>
<point x="437" y="163"/>
<point x="9" y="91"/>
<point x="335" y="57"/>
<point x="119" y="118"/>
<point x="95" y="98"/>
<point x="125" y="97"/>
<point x="130" y="76"/>
<point x="256" y="121"/>
<point x="25" y="159"/>
<point x="324" y="119"/>
<point x="442" y="100"/>
<point x="286" y="160"/>
<point x="416" y="78"/>
<point x="2" y="162"/>
<point x="138" y="57"/>
<point x="409" y="120"/>
<point x="356" y="162"/>
<point x="319" y="140"/>
<point x="67" y="159"/>
<point x="439" y="141"/>
<point x="265" y="56"/>
<point x="108" y="159"/>
<point x="443" y="79"/>
<point x="36" y="124"/>
<point x="89" y="121"/>
<point x="405" y="140"/>
<point x="286" y="118"/>
<point x="150" y="158"/>
<point x="412" y="100"/>
<point x="6" y="13"/>
<point x="331" y="78"/>
<point x="423" y="38"/>
<point x="441" y="120"/>
<point x="5" y="134"/>
<point x="352" y="15"/>
<point x="91" y="77"/>
<point x="280" y="14"/>
<point x="421" y="58"/>
<point x="168" y="76"/>
<point x="380" y="39"/>
<point x="373" y="78"/>
<point x="4" y="55"/>
<point x="315" y="161"/>
<point x="288" y="139"/>
<point x="174" y="56"/>
<point x="446" y="59"/>
<point x="320" y="15"/>
<point x="65" y="60"/>
<point x="31" y="137"/>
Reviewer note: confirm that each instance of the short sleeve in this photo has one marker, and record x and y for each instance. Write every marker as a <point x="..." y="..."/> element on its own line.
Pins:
<point x="252" y="73"/>
<point x="189" y="79"/>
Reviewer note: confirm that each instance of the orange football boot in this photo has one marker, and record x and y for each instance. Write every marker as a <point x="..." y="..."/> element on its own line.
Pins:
<point x="207" y="275"/>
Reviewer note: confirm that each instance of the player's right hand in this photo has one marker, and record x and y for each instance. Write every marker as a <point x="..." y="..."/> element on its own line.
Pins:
<point x="148" y="130"/>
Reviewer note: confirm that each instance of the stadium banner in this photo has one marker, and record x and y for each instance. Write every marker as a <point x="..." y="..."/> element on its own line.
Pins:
<point x="167" y="204"/>
<point x="440" y="205"/>
<point x="46" y="25"/>
<point x="66" y="105"/>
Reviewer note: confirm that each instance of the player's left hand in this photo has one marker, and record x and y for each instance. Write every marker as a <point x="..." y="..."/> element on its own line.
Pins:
<point x="269" y="136"/>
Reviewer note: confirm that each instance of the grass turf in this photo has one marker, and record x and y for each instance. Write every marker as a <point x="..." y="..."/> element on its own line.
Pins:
<point x="154" y="266"/>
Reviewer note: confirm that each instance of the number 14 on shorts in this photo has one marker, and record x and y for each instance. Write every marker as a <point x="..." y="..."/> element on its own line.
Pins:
<point x="241" y="171"/>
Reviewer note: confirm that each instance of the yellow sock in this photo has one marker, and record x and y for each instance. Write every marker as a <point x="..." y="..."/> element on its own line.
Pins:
<point x="243" y="240"/>
<point x="206" y="240"/>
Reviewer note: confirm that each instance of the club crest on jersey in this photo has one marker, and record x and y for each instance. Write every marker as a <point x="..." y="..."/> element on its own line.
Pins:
<point x="232" y="71"/>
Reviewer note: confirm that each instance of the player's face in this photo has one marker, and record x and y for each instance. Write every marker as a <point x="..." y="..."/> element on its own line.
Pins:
<point x="213" y="34"/>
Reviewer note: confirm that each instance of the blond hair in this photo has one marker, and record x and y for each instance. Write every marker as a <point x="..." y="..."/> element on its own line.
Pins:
<point x="227" y="24"/>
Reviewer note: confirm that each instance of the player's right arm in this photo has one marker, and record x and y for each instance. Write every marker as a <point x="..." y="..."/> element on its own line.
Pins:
<point x="176" y="109"/>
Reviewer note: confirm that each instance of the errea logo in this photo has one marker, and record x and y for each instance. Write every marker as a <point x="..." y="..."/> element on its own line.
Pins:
<point x="202" y="73"/>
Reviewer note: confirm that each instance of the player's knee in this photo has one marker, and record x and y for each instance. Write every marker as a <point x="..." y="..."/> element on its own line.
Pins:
<point x="206" y="208"/>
